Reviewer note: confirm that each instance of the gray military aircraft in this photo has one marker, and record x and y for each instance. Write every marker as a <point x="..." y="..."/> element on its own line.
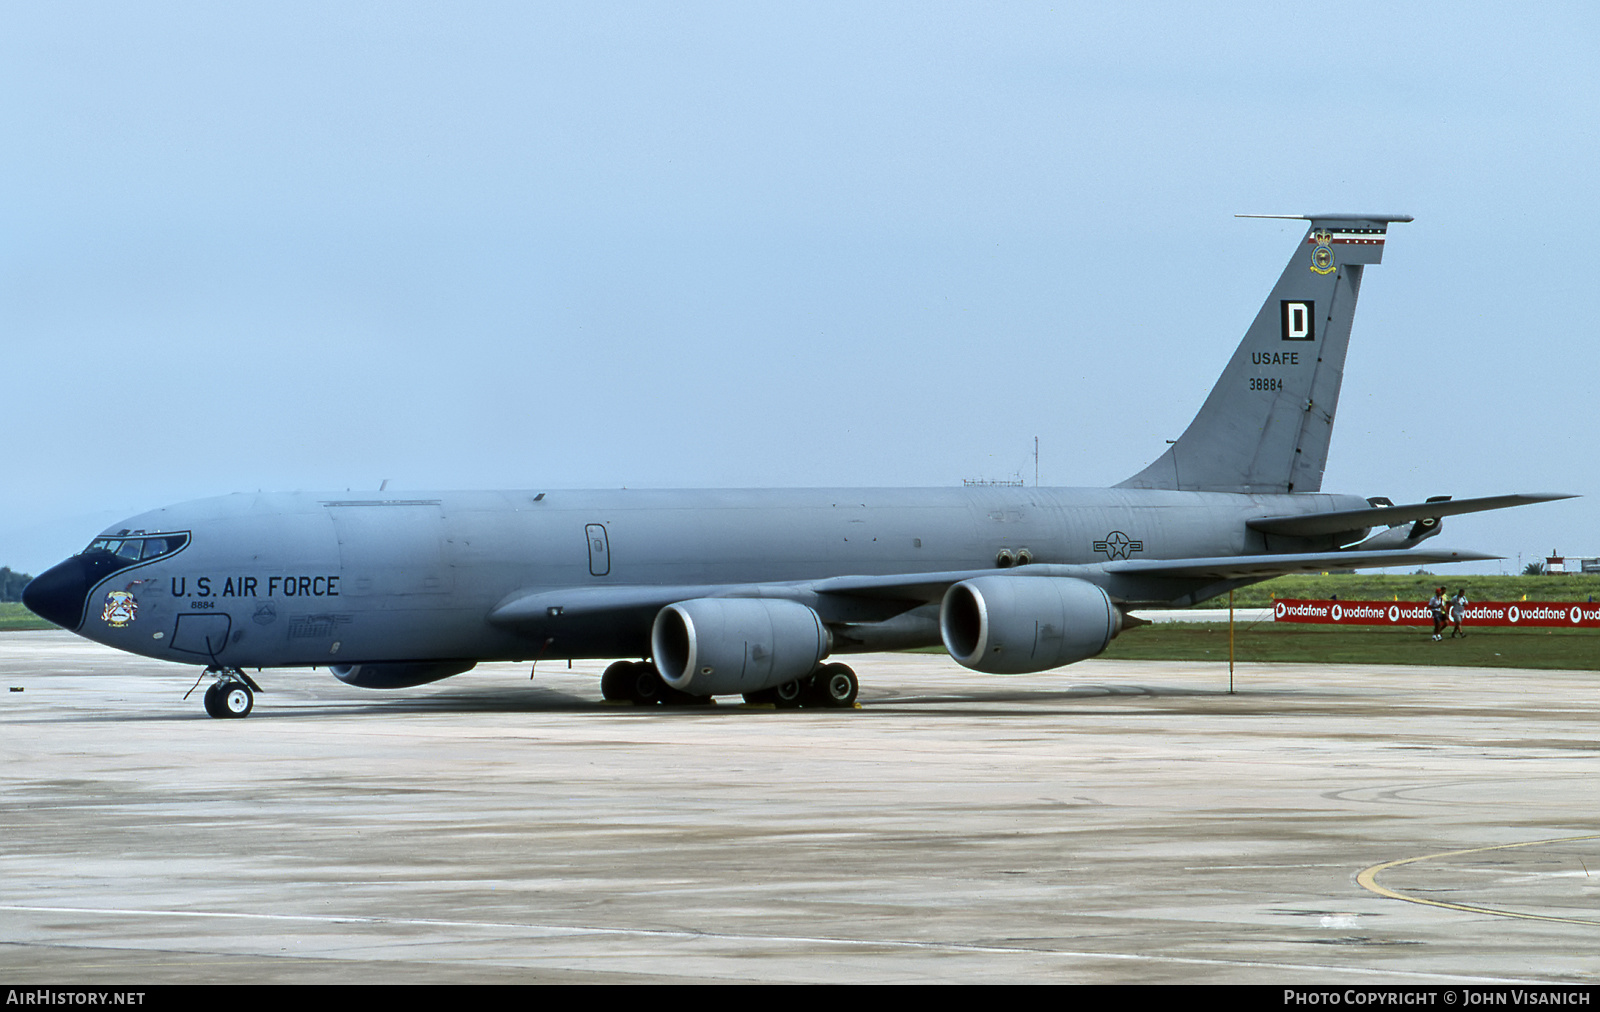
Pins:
<point x="751" y="591"/>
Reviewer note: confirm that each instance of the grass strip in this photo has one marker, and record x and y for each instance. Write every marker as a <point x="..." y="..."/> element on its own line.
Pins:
<point x="1568" y="649"/>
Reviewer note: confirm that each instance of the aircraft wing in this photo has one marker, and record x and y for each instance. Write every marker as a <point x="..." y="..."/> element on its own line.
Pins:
<point x="878" y="597"/>
<point x="592" y="601"/>
<point x="1237" y="567"/>
<point x="1337" y="521"/>
<point x="900" y="591"/>
<point x="930" y="587"/>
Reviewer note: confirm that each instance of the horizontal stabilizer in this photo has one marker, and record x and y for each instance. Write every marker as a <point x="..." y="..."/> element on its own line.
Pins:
<point x="1249" y="567"/>
<point x="1305" y="525"/>
<point x="1331" y="216"/>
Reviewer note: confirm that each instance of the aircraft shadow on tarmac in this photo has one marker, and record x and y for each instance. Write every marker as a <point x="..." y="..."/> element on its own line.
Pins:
<point x="295" y="704"/>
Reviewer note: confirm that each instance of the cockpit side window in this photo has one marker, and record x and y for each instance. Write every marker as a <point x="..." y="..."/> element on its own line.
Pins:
<point x="156" y="547"/>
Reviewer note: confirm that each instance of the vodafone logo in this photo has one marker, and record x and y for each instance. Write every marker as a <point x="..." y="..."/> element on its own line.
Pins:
<point x="1522" y="614"/>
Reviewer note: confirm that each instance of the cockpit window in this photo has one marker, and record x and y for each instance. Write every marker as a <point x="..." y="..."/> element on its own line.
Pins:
<point x="157" y="547"/>
<point x="131" y="550"/>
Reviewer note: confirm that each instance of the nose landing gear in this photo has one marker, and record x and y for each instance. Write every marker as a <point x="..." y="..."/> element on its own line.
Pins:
<point x="232" y="694"/>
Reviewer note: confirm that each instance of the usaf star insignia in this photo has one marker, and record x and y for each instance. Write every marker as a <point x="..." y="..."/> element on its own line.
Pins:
<point x="1118" y="545"/>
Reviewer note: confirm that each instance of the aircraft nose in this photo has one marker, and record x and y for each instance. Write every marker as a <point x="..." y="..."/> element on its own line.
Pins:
<point x="58" y="593"/>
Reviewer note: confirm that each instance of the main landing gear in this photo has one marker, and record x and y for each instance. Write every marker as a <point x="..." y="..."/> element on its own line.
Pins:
<point x="232" y="694"/>
<point x="831" y="686"/>
<point x="638" y="683"/>
<point x="632" y="681"/>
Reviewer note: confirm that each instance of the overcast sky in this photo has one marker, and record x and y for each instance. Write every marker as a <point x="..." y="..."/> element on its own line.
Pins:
<point x="677" y="245"/>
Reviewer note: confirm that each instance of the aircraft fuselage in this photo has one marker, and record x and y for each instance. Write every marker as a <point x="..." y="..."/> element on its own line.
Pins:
<point x="297" y="579"/>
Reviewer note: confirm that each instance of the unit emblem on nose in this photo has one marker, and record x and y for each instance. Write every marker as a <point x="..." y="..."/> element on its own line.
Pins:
<point x="120" y="609"/>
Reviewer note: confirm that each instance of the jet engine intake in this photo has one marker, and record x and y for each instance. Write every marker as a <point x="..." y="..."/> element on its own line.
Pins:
<point x="1010" y="625"/>
<point x="713" y="646"/>
<point x="398" y="674"/>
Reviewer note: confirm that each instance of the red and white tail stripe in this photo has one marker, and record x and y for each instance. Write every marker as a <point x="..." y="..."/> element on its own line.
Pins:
<point x="1357" y="236"/>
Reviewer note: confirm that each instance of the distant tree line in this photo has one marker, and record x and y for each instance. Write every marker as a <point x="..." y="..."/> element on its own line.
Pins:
<point x="11" y="584"/>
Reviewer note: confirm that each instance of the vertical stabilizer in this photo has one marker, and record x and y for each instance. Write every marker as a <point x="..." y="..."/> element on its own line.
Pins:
<point x="1266" y="425"/>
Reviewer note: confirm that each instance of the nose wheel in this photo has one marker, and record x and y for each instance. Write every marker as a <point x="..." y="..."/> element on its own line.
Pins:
<point x="231" y="695"/>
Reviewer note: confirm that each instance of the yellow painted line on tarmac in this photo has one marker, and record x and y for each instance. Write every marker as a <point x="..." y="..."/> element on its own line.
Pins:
<point x="1368" y="879"/>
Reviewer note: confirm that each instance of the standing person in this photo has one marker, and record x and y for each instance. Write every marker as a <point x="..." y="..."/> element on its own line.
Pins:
<point x="1458" y="611"/>
<point x="1436" y="606"/>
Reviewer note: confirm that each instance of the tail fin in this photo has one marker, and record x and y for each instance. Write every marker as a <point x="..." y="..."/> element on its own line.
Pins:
<point x="1266" y="425"/>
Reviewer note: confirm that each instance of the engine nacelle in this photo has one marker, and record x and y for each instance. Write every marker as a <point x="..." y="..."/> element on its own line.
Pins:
<point x="717" y="645"/>
<point x="1009" y="625"/>
<point x="398" y="674"/>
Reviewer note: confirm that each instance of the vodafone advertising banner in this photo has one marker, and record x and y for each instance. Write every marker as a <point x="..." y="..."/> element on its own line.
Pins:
<point x="1551" y="614"/>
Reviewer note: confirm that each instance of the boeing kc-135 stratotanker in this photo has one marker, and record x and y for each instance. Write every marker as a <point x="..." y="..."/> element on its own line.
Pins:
<point x="752" y="591"/>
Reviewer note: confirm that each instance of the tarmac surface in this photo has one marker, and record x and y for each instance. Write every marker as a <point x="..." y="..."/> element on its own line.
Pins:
<point x="1108" y="822"/>
<point x="1240" y="615"/>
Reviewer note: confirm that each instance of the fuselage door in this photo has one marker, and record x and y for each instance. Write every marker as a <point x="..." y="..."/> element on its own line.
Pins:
<point x="391" y="547"/>
<point x="599" y="550"/>
<point x="206" y="635"/>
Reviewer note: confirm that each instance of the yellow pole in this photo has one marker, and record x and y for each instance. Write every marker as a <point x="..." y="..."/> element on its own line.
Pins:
<point x="1230" y="642"/>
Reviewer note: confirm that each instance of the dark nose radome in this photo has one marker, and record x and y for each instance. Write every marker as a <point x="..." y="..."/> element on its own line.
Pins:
<point x="57" y="594"/>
